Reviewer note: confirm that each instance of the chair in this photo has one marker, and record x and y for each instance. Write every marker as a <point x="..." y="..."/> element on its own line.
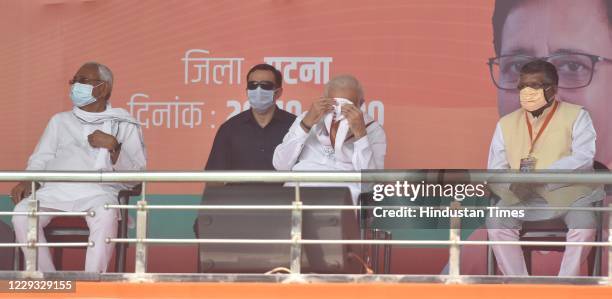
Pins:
<point x="275" y="224"/>
<point x="74" y="229"/>
<point x="372" y="252"/>
<point x="555" y="230"/>
<point x="7" y="254"/>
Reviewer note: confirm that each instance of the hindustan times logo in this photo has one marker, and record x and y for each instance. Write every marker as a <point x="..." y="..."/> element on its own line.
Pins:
<point x="413" y="191"/>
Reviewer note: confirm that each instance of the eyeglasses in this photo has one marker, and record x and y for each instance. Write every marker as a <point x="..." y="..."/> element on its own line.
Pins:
<point x="83" y="80"/>
<point x="575" y="69"/>
<point x="265" y="85"/>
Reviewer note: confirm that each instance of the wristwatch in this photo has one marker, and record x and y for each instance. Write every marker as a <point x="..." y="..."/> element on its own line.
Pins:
<point x="305" y="126"/>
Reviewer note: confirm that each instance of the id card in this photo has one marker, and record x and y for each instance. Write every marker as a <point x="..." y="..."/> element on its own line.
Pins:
<point x="528" y="164"/>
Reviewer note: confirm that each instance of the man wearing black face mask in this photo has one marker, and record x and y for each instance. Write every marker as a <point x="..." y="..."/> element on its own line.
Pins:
<point x="247" y="140"/>
<point x="544" y="134"/>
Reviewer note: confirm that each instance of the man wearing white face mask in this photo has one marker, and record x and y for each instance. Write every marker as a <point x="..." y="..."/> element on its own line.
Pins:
<point x="334" y="135"/>
<point x="93" y="136"/>
<point x="544" y="134"/>
<point x="247" y="140"/>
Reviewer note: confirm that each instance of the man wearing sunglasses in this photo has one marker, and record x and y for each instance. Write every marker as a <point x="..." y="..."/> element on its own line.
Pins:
<point x="544" y="134"/>
<point x="247" y="140"/>
<point x="93" y="136"/>
<point x="334" y="135"/>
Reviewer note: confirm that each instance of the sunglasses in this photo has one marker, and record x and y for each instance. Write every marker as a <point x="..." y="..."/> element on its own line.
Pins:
<point x="265" y="85"/>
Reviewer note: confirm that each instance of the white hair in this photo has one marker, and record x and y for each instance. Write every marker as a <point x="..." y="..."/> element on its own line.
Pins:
<point x="344" y="81"/>
<point x="103" y="71"/>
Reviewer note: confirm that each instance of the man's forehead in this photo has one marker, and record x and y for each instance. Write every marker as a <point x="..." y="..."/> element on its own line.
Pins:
<point x="88" y="70"/>
<point x="344" y="92"/>
<point x="533" y="76"/>
<point x="538" y="78"/>
<point x="261" y="75"/>
<point x="541" y="28"/>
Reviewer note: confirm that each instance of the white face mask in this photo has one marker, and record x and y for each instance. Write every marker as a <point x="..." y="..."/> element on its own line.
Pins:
<point x="81" y="94"/>
<point x="338" y="107"/>
<point x="343" y="128"/>
<point x="260" y="99"/>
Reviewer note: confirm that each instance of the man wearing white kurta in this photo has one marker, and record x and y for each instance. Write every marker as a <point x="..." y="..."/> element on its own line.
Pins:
<point x="334" y="135"/>
<point x="92" y="137"/>
<point x="544" y="134"/>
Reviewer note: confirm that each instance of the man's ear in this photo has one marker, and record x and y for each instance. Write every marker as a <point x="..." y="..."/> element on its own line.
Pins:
<point x="550" y="93"/>
<point x="278" y="93"/>
<point x="105" y="91"/>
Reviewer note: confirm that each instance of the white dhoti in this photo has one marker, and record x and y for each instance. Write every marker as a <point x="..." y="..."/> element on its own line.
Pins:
<point x="64" y="146"/>
<point x="581" y="228"/>
<point x="101" y="226"/>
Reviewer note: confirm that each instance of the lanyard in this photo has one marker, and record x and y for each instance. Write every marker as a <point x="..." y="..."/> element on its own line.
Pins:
<point x="544" y="125"/>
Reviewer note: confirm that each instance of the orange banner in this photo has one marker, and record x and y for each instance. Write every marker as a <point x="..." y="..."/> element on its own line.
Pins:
<point x="180" y="68"/>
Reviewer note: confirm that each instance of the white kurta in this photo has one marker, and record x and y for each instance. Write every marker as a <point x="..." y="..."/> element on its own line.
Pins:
<point x="313" y="151"/>
<point x="64" y="146"/>
<point x="581" y="158"/>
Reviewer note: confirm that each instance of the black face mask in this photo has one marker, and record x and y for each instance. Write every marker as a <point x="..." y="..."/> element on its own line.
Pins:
<point x="549" y="101"/>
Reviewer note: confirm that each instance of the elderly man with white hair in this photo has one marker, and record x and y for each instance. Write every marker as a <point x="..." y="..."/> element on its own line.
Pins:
<point x="334" y="135"/>
<point x="93" y="136"/>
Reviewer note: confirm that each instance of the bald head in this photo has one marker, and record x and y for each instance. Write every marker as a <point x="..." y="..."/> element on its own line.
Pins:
<point x="104" y="73"/>
<point x="344" y="86"/>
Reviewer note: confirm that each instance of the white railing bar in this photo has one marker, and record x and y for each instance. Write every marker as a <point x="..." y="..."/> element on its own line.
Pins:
<point x="30" y="253"/>
<point x="140" y="259"/>
<point x="66" y="244"/>
<point x="333" y="207"/>
<point x="4" y="245"/>
<point x="234" y="207"/>
<point x="536" y="243"/>
<point x="609" y="248"/>
<point x="182" y="176"/>
<point x="58" y="213"/>
<point x="353" y="242"/>
<point x="295" y="252"/>
<point x="496" y="176"/>
<point x="295" y="176"/>
<point x="454" y="254"/>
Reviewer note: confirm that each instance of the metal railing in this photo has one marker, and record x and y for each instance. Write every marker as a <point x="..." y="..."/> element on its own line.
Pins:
<point x="296" y="241"/>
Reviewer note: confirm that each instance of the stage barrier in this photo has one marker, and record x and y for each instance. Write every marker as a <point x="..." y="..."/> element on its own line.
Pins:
<point x="295" y="238"/>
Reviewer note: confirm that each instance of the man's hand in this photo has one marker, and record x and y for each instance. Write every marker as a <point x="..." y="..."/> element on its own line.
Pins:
<point x="522" y="190"/>
<point x="354" y="116"/>
<point x="21" y="191"/>
<point x="317" y="110"/>
<point x="99" y="139"/>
